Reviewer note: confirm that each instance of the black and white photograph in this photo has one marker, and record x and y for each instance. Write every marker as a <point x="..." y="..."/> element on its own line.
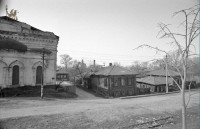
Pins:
<point x="99" y="64"/>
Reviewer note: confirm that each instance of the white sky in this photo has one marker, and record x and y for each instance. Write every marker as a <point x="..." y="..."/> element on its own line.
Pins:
<point x="103" y="30"/>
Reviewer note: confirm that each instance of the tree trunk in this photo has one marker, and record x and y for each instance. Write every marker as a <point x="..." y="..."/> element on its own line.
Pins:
<point x="184" y="125"/>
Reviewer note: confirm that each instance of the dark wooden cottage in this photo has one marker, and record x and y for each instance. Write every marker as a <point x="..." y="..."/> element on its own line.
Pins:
<point x="62" y="75"/>
<point x="114" y="81"/>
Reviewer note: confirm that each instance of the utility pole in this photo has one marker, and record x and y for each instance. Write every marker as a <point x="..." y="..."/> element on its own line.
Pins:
<point x="166" y="70"/>
<point x="42" y="85"/>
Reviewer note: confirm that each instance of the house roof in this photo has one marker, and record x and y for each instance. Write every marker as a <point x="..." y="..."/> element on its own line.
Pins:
<point x="88" y="74"/>
<point x="62" y="70"/>
<point x="153" y="80"/>
<point x="162" y="72"/>
<point x="114" y="70"/>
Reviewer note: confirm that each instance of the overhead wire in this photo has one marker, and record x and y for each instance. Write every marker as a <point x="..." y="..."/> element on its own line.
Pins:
<point x="90" y="56"/>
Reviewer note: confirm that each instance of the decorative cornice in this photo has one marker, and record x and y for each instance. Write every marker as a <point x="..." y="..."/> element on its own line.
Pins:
<point x="26" y="38"/>
<point x="26" y="35"/>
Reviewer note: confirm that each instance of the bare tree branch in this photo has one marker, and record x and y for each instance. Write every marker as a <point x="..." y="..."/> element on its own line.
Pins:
<point x="192" y="37"/>
<point x="175" y="81"/>
<point x="189" y="94"/>
<point x="163" y="27"/>
<point x="145" y="45"/>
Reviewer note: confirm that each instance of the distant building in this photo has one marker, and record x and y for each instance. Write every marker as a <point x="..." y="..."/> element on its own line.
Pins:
<point x="21" y="48"/>
<point x="62" y="75"/>
<point x="154" y="83"/>
<point x="162" y="73"/>
<point x="156" y="80"/>
<point x="113" y="81"/>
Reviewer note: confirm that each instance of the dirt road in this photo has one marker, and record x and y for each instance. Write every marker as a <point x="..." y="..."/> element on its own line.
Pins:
<point x="84" y="94"/>
<point x="96" y="109"/>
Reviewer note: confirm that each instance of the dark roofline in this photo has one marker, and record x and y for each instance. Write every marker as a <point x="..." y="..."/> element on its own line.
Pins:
<point x="31" y="27"/>
<point x="151" y="84"/>
<point x="110" y="69"/>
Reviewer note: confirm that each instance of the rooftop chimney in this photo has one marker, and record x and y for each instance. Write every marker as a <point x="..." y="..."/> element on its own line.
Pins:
<point x="94" y="63"/>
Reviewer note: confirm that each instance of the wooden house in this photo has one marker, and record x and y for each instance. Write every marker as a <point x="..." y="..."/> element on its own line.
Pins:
<point x="62" y="75"/>
<point x="113" y="81"/>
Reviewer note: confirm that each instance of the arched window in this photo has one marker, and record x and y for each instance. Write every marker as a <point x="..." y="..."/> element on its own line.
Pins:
<point x="15" y="75"/>
<point x="39" y="75"/>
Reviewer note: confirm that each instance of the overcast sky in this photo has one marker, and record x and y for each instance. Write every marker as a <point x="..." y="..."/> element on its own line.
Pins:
<point x="103" y="30"/>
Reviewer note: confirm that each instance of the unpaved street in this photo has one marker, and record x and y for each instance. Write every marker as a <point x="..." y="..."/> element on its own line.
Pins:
<point x="97" y="110"/>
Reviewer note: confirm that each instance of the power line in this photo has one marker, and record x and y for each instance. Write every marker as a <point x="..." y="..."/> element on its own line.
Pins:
<point x="89" y="52"/>
<point x="111" y="56"/>
<point x="106" y="58"/>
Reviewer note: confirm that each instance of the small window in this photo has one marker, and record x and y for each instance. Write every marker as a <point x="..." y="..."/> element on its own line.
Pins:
<point x="123" y="81"/>
<point x="112" y="81"/>
<point x="138" y="85"/>
<point x="129" y="81"/>
<point x="119" y="81"/>
<point x="108" y="81"/>
<point x="115" y="82"/>
<point x="65" y="76"/>
<point x="105" y="82"/>
<point x="126" y="81"/>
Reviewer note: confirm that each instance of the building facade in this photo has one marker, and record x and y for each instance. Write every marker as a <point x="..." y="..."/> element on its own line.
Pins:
<point x="155" y="81"/>
<point x="113" y="81"/>
<point x="25" y="68"/>
<point x="62" y="75"/>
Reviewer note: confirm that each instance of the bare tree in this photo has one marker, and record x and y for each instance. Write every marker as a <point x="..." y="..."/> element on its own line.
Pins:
<point x="81" y="68"/>
<point x="183" y="51"/>
<point x="66" y="60"/>
<point x="191" y="26"/>
<point x="157" y="64"/>
<point x="139" y="67"/>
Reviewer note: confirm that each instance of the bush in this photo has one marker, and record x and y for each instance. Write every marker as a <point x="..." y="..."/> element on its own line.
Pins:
<point x="143" y="91"/>
<point x="35" y="91"/>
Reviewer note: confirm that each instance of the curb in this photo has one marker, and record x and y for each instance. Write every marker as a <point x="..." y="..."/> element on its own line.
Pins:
<point x="147" y="95"/>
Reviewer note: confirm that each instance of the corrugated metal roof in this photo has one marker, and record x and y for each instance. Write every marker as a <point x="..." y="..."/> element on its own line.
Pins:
<point x="114" y="70"/>
<point x="162" y="72"/>
<point x="153" y="80"/>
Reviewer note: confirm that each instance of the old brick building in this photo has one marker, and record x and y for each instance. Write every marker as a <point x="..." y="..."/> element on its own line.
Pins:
<point x="19" y="68"/>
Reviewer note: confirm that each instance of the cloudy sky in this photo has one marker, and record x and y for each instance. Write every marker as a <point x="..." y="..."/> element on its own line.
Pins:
<point x="103" y="30"/>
